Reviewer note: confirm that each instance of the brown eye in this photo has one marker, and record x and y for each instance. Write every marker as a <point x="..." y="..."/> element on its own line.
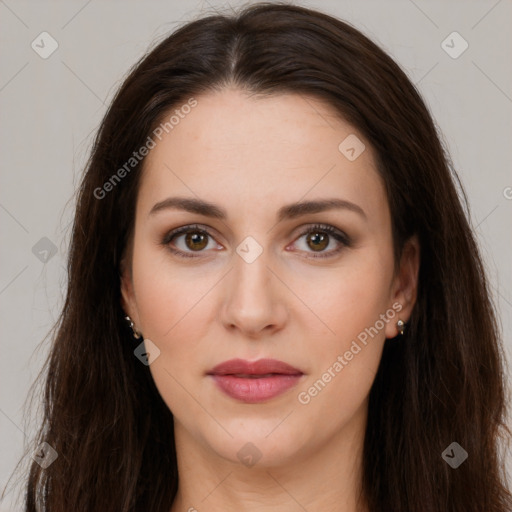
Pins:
<point x="317" y="240"/>
<point x="196" y="240"/>
<point x="187" y="240"/>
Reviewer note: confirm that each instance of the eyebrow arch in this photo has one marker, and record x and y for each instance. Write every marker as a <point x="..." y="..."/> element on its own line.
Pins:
<point x="289" y="211"/>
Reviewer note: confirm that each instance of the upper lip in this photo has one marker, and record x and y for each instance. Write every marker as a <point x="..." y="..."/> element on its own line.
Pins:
<point x="259" y="367"/>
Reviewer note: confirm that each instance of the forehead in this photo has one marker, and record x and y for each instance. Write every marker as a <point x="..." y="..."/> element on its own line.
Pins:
<point x="243" y="150"/>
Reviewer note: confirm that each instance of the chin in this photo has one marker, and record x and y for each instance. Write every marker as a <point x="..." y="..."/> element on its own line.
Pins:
<point x="253" y="446"/>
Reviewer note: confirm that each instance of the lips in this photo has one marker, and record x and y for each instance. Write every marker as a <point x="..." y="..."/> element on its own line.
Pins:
<point x="254" y="369"/>
<point x="254" y="381"/>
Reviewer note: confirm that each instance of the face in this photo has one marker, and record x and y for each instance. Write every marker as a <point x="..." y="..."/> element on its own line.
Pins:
<point x="254" y="275"/>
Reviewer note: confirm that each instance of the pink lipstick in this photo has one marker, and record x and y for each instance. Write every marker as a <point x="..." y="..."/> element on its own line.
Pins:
<point x="256" y="381"/>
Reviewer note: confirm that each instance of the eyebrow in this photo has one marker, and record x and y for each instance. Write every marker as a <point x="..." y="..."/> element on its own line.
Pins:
<point x="289" y="211"/>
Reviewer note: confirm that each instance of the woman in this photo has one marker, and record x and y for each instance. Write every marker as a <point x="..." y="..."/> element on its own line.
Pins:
<point x="275" y="301"/>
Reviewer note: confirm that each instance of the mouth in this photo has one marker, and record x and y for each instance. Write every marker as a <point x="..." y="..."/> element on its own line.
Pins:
<point x="253" y="375"/>
<point x="256" y="381"/>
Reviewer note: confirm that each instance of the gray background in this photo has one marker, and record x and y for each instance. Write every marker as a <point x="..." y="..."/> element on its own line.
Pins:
<point x="51" y="107"/>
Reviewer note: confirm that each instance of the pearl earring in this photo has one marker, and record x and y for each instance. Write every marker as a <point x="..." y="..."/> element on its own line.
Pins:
<point x="136" y="334"/>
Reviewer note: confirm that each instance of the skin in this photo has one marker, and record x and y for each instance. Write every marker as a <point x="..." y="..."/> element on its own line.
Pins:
<point x="251" y="156"/>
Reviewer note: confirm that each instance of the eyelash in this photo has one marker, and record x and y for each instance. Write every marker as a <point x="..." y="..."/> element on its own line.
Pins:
<point x="339" y="236"/>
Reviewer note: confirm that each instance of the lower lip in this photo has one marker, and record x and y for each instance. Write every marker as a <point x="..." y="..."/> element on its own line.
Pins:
<point x="256" y="390"/>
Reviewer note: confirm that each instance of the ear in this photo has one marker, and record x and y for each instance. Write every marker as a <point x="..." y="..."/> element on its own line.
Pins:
<point x="128" y="302"/>
<point x="405" y="285"/>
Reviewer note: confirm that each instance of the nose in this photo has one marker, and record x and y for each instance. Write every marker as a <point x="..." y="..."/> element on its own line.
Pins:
<point x="254" y="299"/>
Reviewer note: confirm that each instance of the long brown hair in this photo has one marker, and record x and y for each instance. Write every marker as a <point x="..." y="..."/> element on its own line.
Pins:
<point x="442" y="382"/>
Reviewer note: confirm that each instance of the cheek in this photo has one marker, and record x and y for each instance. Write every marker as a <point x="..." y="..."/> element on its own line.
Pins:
<point x="347" y="299"/>
<point x="354" y="305"/>
<point x="170" y="302"/>
<point x="176" y="311"/>
<point x="174" y="308"/>
<point x="164" y="290"/>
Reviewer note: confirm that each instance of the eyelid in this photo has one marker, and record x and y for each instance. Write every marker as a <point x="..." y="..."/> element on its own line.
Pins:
<point x="333" y="232"/>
